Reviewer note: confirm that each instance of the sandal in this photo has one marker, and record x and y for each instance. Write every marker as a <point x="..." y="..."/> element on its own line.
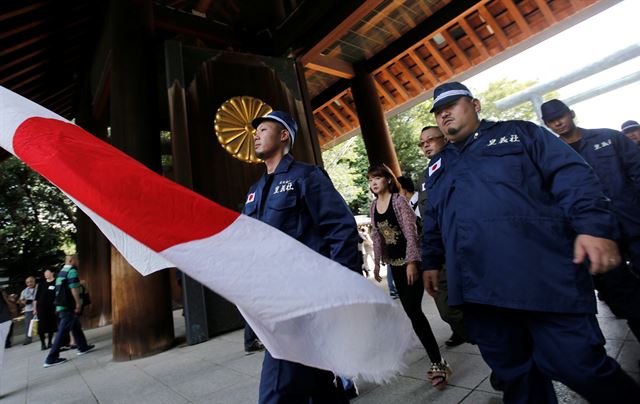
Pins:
<point x="439" y="373"/>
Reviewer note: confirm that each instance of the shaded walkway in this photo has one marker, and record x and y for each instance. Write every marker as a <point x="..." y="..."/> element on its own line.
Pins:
<point x="218" y="371"/>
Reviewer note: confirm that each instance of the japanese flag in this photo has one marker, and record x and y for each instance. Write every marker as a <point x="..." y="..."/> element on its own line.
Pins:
<point x="304" y="307"/>
<point x="435" y="167"/>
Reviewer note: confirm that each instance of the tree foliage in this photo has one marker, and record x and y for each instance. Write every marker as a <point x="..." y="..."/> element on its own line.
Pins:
<point x="36" y="220"/>
<point x="347" y="162"/>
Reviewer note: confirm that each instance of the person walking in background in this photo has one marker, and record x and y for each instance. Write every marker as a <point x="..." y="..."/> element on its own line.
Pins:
<point x="45" y="309"/>
<point x="395" y="242"/>
<point x="432" y="142"/>
<point x="8" y="312"/>
<point x="27" y="296"/>
<point x="631" y="129"/>
<point x="616" y="161"/>
<point x="68" y="308"/>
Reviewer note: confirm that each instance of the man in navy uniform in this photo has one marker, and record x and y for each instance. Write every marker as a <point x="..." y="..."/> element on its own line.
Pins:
<point x="616" y="161"/>
<point x="300" y="200"/>
<point x="521" y="221"/>
<point x="631" y="129"/>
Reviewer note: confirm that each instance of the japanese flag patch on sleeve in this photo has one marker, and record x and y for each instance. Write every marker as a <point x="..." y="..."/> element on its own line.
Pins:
<point x="435" y="167"/>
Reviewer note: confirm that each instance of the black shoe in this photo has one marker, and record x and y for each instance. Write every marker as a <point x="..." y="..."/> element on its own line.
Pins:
<point x="256" y="346"/>
<point x="454" y="340"/>
<point x="63" y="348"/>
<point x="495" y="382"/>
<point x="57" y="361"/>
<point x="43" y="347"/>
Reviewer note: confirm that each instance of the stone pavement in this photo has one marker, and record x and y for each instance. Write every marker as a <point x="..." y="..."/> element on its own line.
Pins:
<point x="218" y="371"/>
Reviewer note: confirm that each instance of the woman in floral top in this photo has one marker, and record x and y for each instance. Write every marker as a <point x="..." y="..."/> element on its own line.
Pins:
<point x="395" y="242"/>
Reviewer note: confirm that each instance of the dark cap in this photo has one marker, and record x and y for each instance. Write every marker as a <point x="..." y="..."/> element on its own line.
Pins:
<point x="447" y="93"/>
<point x="553" y="109"/>
<point x="281" y="117"/>
<point x="629" y="126"/>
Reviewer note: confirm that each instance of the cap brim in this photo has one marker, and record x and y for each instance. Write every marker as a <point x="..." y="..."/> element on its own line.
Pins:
<point x="446" y="101"/>
<point x="630" y="128"/>
<point x="553" y="116"/>
<point x="259" y="120"/>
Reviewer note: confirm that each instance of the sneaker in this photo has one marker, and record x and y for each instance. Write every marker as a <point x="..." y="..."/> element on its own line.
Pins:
<point x="57" y="361"/>
<point x="89" y="348"/>
<point x="439" y="373"/>
<point x="454" y="340"/>
<point x="256" y="346"/>
<point x="64" y="348"/>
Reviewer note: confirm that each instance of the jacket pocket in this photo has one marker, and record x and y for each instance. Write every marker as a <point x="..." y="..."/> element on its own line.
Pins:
<point x="502" y="163"/>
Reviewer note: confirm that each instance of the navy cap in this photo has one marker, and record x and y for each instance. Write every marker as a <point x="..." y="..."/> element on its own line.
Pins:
<point x="629" y="126"/>
<point x="553" y="109"/>
<point x="449" y="92"/>
<point x="281" y="117"/>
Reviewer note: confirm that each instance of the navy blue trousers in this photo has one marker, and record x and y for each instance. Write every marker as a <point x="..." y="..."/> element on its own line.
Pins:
<point x="285" y="382"/>
<point x="527" y="350"/>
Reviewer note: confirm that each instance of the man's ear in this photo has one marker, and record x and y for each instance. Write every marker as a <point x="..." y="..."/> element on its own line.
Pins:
<point x="284" y="135"/>
<point x="477" y="105"/>
<point x="573" y="114"/>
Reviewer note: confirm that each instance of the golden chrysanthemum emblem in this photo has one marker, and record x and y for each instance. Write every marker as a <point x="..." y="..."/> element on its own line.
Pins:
<point x="233" y="126"/>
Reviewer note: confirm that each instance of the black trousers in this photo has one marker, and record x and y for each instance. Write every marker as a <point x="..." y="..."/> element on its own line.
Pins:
<point x="411" y="299"/>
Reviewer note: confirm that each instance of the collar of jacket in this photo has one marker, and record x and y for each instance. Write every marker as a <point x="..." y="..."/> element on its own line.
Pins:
<point x="484" y="125"/>
<point x="283" y="165"/>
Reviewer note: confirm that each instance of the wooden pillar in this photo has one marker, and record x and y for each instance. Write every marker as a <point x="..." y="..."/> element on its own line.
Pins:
<point x="373" y="125"/>
<point x="142" y="317"/>
<point x="193" y="293"/>
<point x="93" y="247"/>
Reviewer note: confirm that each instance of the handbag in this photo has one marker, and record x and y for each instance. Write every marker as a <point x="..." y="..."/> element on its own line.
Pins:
<point x="33" y="327"/>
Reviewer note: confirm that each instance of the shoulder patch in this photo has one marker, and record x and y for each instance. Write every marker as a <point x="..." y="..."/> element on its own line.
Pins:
<point x="435" y="167"/>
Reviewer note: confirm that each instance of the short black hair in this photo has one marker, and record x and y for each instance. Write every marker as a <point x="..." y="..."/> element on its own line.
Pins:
<point x="429" y="127"/>
<point x="407" y="184"/>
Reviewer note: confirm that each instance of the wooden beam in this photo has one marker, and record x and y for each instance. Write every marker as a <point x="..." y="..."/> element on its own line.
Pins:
<point x="495" y="27"/>
<point x="456" y="48"/>
<point x="339" y="115"/>
<point x="333" y="66"/>
<point x="438" y="57"/>
<point x="423" y="67"/>
<point x="23" y="10"/>
<point x="396" y="84"/>
<point x="23" y="71"/>
<point x="323" y="129"/>
<point x="21" y="59"/>
<point x="330" y="121"/>
<point x="339" y="31"/>
<point x="423" y="30"/>
<point x="471" y="33"/>
<point x="517" y="16"/>
<point x="346" y="108"/>
<point x="546" y="11"/>
<point x="166" y="19"/>
<point x="383" y="91"/>
<point x="410" y="76"/>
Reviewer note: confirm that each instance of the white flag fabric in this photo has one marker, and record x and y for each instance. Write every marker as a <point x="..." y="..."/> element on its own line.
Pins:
<point x="303" y="306"/>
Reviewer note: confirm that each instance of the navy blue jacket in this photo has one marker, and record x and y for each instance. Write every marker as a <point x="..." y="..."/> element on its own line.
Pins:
<point x="505" y="209"/>
<point x="302" y="202"/>
<point x="616" y="161"/>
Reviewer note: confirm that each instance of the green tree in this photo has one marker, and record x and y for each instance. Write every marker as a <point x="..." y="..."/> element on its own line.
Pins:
<point x="503" y="88"/>
<point x="36" y="220"/>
